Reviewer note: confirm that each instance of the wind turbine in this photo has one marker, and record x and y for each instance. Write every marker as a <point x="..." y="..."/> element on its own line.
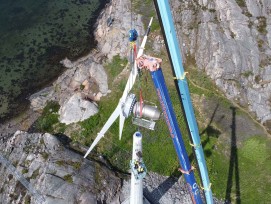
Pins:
<point x="118" y="112"/>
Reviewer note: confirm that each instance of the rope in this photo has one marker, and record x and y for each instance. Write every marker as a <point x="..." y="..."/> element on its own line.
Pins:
<point x="196" y="145"/>
<point x="131" y="14"/>
<point x="141" y="101"/>
<point x="207" y="189"/>
<point x="182" y="77"/>
<point x="187" y="172"/>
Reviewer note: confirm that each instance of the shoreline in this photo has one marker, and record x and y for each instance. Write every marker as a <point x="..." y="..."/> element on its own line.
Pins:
<point x="27" y="117"/>
<point x="20" y="103"/>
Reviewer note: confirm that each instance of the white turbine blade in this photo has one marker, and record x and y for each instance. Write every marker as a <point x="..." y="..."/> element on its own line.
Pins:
<point x="133" y="74"/>
<point x="106" y="126"/>
<point x="142" y="47"/>
<point x="118" y="111"/>
<point x="122" y="120"/>
<point x="132" y="77"/>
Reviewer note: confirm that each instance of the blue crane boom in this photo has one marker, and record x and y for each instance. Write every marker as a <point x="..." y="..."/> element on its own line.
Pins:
<point x="166" y="21"/>
<point x="153" y="65"/>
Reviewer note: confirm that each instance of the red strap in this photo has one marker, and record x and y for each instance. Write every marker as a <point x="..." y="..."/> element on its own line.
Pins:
<point x="135" y="54"/>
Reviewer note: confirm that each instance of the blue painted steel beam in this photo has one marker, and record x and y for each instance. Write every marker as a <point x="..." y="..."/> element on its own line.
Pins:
<point x="175" y="133"/>
<point x="176" y="60"/>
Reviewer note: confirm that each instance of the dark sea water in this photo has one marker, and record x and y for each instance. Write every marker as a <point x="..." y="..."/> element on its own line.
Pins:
<point x="35" y="35"/>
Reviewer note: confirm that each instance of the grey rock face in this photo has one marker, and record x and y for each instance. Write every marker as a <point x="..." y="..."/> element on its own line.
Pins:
<point x="76" y="109"/>
<point x="39" y="99"/>
<point x="113" y="40"/>
<point x="57" y="174"/>
<point x="230" y="40"/>
<point x="75" y="90"/>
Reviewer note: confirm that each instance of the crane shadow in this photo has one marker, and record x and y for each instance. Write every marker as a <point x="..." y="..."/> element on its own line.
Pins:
<point x="161" y="190"/>
<point x="210" y="130"/>
<point x="233" y="166"/>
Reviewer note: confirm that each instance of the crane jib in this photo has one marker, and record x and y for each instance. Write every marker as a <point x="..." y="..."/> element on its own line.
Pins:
<point x="171" y="121"/>
<point x="166" y="21"/>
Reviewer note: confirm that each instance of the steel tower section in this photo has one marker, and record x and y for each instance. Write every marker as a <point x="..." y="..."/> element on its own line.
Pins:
<point x="136" y="194"/>
<point x="175" y="134"/>
<point x="176" y="60"/>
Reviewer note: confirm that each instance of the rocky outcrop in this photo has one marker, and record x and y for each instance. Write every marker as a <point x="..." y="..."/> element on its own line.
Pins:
<point x="55" y="173"/>
<point x="76" y="109"/>
<point x="113" y="40"/>
<point x="76" y="90"/>
<point x="231" y="41"/>
<point x="43" y="168"/>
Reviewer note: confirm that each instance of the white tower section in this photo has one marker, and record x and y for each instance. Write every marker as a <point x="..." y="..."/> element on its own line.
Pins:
<point x="136" y="196"/>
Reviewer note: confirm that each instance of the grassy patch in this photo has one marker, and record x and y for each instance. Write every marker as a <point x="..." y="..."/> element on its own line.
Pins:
<point x="262" y="24"/>
<point x="76" y="165"/>
<point x="256" y="149"/>
<point x="24" y="171"/>
<point x="68" y="178"/>
<point x="247" y="73"/>
<point x="49" y="117"/>
<point x="27" y="199"/>
<point x="48" y="121"/>
<point x="147" y="10"/>
<point x="115" y="67"/>
<point x="45" y="155"/>
<point x="35" y="174"/>
<point x="241" y="3"/>
<point x="60" y="162"/>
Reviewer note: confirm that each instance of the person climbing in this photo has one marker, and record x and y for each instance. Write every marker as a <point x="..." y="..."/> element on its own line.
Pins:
<point x="136" y="165"/>
<point x="140" y="169"/>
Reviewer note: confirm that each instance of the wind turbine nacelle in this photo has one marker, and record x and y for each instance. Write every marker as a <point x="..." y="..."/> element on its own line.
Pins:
<point x="139" y="110"/>
<point x="146" y="111"/>
<point x="144" y="115"/>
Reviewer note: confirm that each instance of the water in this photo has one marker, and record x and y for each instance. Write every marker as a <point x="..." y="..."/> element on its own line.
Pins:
<point x="35" y="35"/>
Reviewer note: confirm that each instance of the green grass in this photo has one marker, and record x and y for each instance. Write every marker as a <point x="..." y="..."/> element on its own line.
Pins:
<point x="49" y="117"/>
<point x="254" y="166"/>
<point x="68" y="178"/>
<point x="262" y="25"/>
<point x="241" y="3"/>
<point x="116" y="66"/>
<point x="48" y="121"/>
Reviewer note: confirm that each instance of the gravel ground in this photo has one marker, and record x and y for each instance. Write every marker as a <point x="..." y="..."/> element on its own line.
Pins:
<point x="158" y="189"/>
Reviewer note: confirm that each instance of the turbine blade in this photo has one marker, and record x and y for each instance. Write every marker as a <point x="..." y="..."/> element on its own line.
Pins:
<point x="106" y="126"/>
<point x="118" y="111"/>
<point x="121" y="124"/>
<point x="132" y="77"/>
<point x="133" y="74"/>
